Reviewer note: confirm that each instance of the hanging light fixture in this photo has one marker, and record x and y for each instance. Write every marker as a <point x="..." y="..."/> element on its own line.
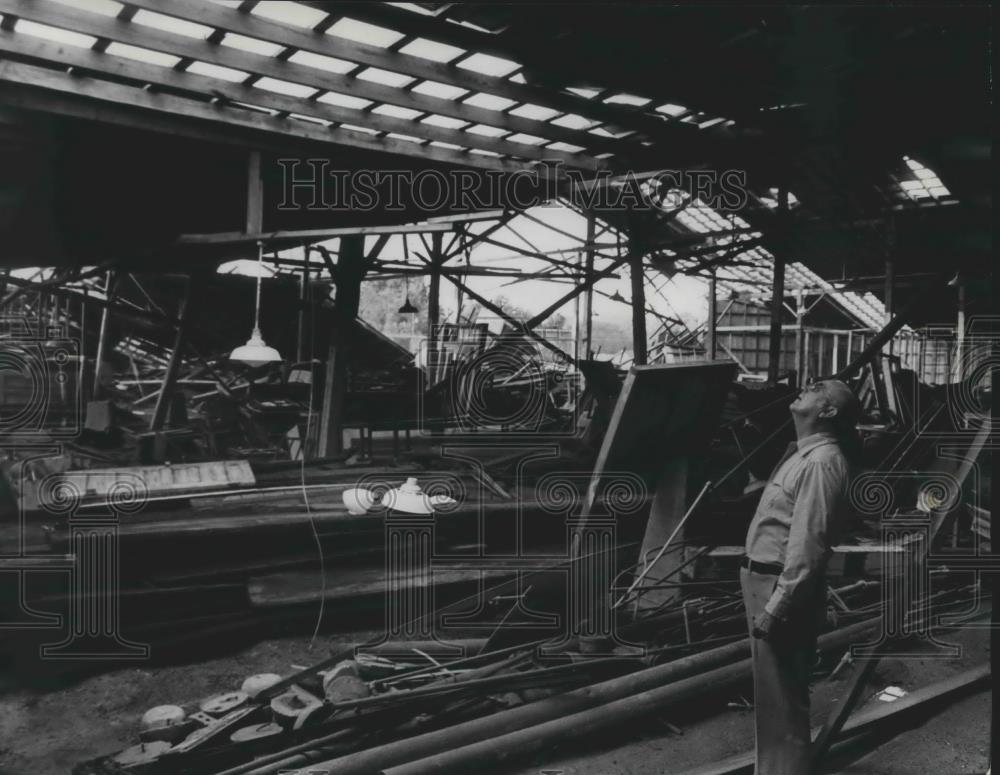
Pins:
<point x="407" y="308"/>
<point x="255" y="352"/>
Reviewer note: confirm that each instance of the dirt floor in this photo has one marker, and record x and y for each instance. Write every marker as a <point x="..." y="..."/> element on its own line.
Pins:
<point x="47" y="733"/>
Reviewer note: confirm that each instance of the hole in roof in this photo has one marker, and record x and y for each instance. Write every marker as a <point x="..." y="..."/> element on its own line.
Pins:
<point x="443" y="121"/>
<point x="54" y="33"/>
<point x="362" y="32"/>
<point x="102" y="7"/>
<point x="385" y="77"/>
<point x="671" y="109"/>
<point x="343" y="100"/>
<point x="488" y="101"/>
<point x="217" y="71"/>
<point x="486" y="131"/>
<point x="452" y="146"/>
<point x="429" y="49"/>
<point x="142" y="54"/>
<point x="322" y="62"/>
<point x="488" y="65"/>
<point x="520" y="137"/>
<point x="573" y="121"/>
<point x="568" y="148"/>
<point x="444" y="91"/>
<point x="518" y="78"/>
<point x="534" y="112"/>
<point x="286" y="12"/>
<point x="396" y="111"/>
<point x="170" y="24"/>
<point x="285" y="87"/>
<point x="581" y="92"/>
<point x="355" y="128"/>
<point x="253" y="45"/>
<point x="627" y="99"/>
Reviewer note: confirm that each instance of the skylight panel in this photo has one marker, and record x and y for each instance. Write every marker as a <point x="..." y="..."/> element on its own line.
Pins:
<point x="534" y="112"/>
<point x="362" y="32"/>
<point x="413" y="8"/>
<point x="573" y="121"/>
<point x="385" y="77"/>
<point x="671" y="109"/>
<point x="54" y="33"/>
<point x="518" y="78"/>
<point x="430" y="49"/>
<point x="343" y="100"/>
<point x="102" y="7"/>
<point x="924" y="183"/>
<point x="407" y="138"/>
<point x="488" y="65"/>
<point x="585" y="93"/>
<point x="486" y="131"/>
<point x="285" y="12"/>
<point x="253" y="45"/>
<point x="488" y="101"/>
<point x="444" y="91"/>
<point x="322" y="62"/>
<point x="450" y="146"/>
<point x="481" y="152"/>
<point x="218" y="71"/>
<point x="396" y="111"/>
<point x="627" y="99"/>
<point x="171" y="24"/>
<point x="567" y="147"/>
<point x="520" y="137"/>
<point x="613" y="132"/>
<point x="285" y="87"/>
<point x="142" y="54"/>
<point x="443" y="121"/>
<point x="311" y="119"/>
<point x="257" y="108"/>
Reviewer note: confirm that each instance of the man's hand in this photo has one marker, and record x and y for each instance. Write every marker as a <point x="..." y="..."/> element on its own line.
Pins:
<point x="763" y="626"/>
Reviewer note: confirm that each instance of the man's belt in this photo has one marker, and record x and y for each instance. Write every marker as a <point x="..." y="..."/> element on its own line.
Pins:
<point x="767" y="568"/>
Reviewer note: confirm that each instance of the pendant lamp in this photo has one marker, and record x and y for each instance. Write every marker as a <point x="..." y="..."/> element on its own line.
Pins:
<point x="255" y="352"/>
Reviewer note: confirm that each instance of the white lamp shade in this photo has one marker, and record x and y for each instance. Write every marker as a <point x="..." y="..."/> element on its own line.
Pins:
<point x="255" y="352"/>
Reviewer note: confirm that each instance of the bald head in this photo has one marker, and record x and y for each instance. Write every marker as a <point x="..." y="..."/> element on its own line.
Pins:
<point x="827" y="401"/>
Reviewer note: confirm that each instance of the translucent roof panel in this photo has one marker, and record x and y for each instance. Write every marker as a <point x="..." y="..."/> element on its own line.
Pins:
<point x="343" y="100"/>
<point x="54" y="34"/>
<point x="565" y="147"/>
<point x="520" y="137"/>
<point x="170" y="24"/>
<point x="573" y="121"/>
<point x="396" y="111"/>
<point x="488" y="101"/>
<point x="287" y="12"/>
<point x="285" y="87"/>
<point x="142" y="54"/>
<point x="488" y="131"/>
<point x="443" y="90"/>
<point x="922" y="183"/>
<point x="413" y="8"/>
<point x="444" y="121"/>
<point x="362" y="32"/>
<point x="430" y="49"/>
<point x="217" y="71"/>
<point x="671" y="109"/>
<point x="627" y="99"/>
<point x="586" y="93"/>
<point x="534" y="112"/>
<point x="489" y="65"/>
<point x="322" y="62"/>
<point x="385" y="77"/>
<point x="253" y="45"/>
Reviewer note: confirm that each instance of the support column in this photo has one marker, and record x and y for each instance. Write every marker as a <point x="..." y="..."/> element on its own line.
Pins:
<point x="176" y="357"/>
<point x="434" y="305"/>
<point x="591" y="236"/>
<point x="800" y="313"/>
<point x="255" y="195"/>
<point x="350" y="271"/>
<point x="110" y="286"/>
<point x="778" y="293"/>
<point x="639" y="338"/>
<point x="959" y="372"/>
<point x="890" y="286"/>
<point x="713" y="313"/>
<point x="300" y="340"/>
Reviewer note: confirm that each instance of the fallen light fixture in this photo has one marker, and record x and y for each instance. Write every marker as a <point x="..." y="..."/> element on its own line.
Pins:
<point x="256" y="352"/>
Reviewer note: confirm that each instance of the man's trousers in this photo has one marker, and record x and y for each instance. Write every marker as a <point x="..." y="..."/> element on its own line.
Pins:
<point x="782" y="667"/>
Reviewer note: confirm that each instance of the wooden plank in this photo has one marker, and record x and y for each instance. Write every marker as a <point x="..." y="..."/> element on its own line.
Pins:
<point x="317" y="235"/>
<point x="226" y="56"/>
<point x="332" y="45"/>
<point x="121" y="67"/>
<point x="72" y="87"/>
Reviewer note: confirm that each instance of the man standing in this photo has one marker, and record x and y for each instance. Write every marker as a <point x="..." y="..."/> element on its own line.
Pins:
<point x="783" y="574"/>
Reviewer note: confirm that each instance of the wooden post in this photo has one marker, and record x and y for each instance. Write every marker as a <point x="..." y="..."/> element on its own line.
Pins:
<point x="176" y="357"/>
<point x="591" y="236"/>
<point x="110" y="285"/>
<point x="639" y="339"/>
<point x="778" y="293"/>
<point x="959" y="370"/>
<point x="800" y="312"/>
<point x="434" y="306"/>
<point x="713" y="313"/>
<point x="304" y="301"/>
<point x="255" y="195"/>
<point x="350" y="271"/>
